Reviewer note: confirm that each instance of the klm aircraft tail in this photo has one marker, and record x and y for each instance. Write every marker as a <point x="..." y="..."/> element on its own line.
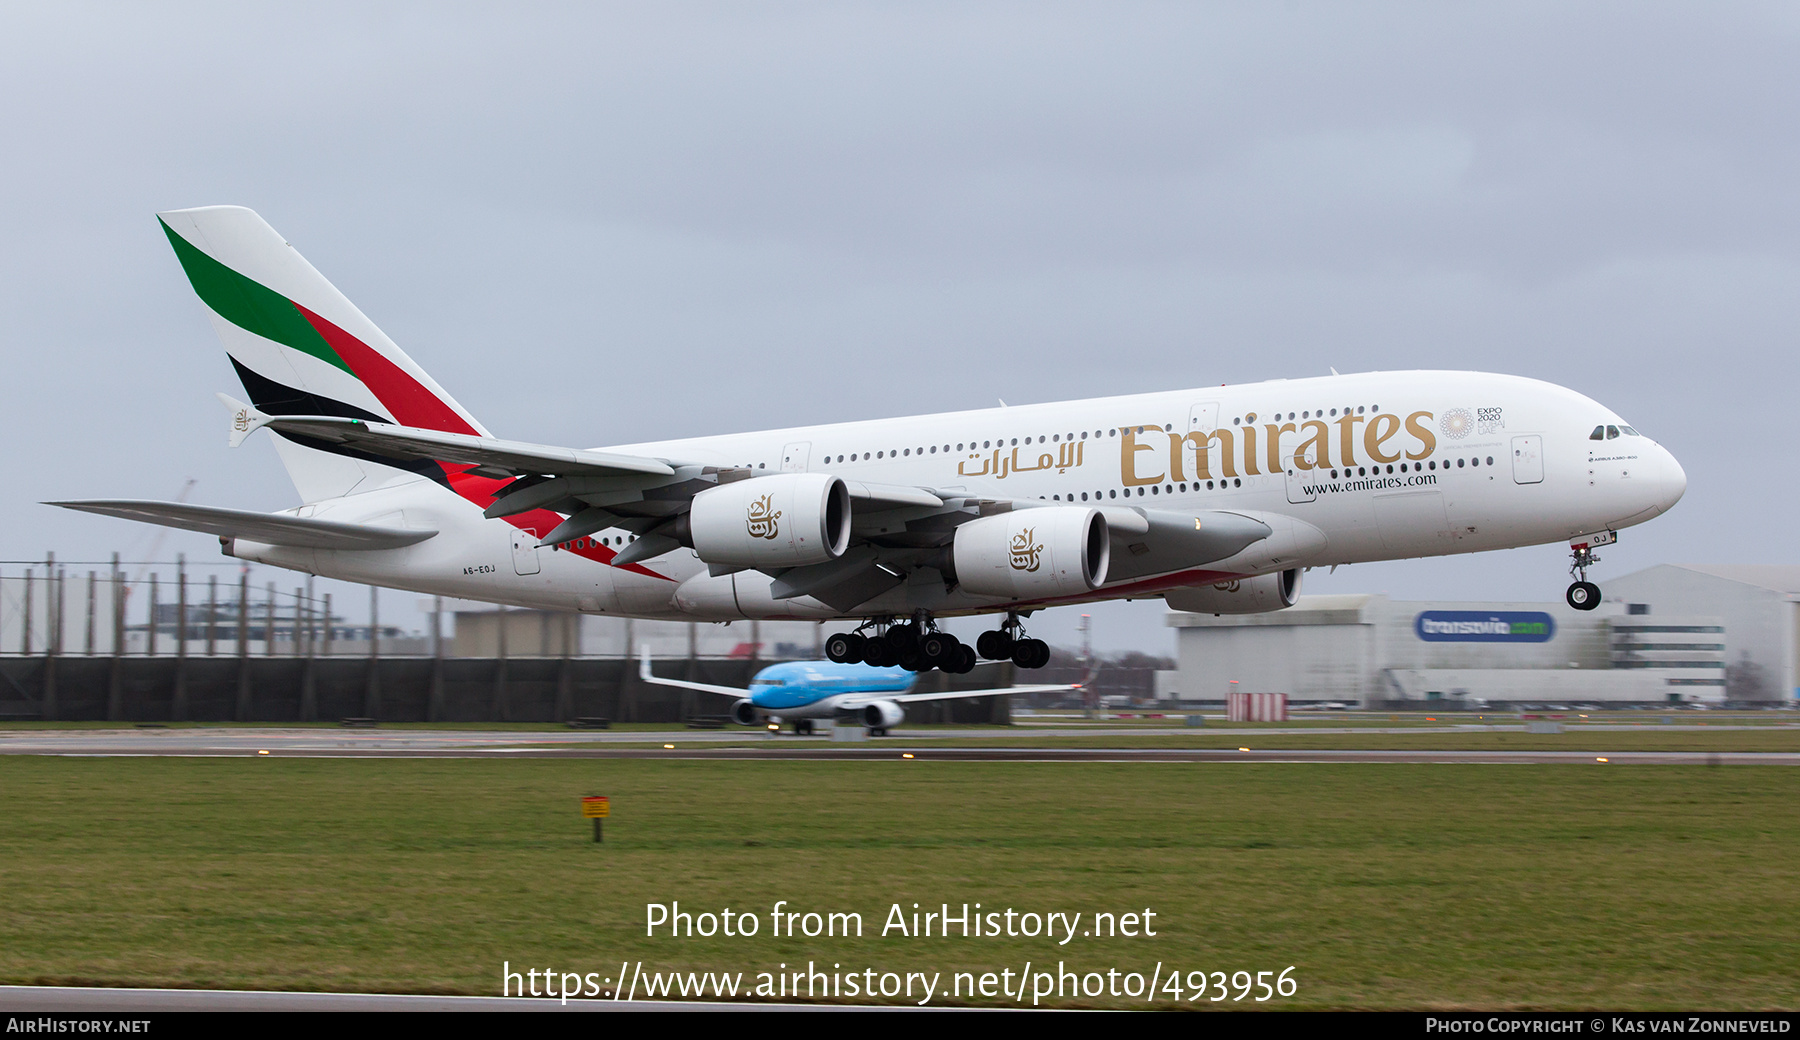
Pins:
<point x="301" y="348"/>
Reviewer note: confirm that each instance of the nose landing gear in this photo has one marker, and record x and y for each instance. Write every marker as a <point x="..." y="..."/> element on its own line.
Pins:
<point x="1584" y="594"/>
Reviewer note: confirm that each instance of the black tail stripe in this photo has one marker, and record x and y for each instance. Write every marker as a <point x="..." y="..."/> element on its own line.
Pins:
<point x="279" y="399"/>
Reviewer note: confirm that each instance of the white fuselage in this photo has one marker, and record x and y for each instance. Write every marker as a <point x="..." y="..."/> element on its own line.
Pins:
<point x="1373" y="466"/>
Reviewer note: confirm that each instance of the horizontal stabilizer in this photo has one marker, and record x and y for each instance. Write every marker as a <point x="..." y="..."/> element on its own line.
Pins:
<point x="409" y="443"/>
<point x="268" y="528"/>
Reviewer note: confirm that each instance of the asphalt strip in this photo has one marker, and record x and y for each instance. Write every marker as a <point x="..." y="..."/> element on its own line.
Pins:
<point x="897" y="752"/>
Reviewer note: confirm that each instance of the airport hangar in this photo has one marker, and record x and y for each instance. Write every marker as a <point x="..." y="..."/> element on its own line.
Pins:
<point x="1676" y="634"/>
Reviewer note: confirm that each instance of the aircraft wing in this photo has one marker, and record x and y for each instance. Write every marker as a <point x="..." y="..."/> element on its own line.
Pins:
<point x="269" y="528"/>
<point x="502" y="457"/>
<point x="645" y="675"/>
<point x="952" y="695"/>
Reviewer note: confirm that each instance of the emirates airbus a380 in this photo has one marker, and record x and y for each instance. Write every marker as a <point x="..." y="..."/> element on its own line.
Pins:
<point x="1216" y="499"/>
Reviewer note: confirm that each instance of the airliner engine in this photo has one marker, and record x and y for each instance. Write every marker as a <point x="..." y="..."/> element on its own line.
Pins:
<point x="882" y="715"/>
<point x="744" y="712"/>
<point x="1256" y="595"/>
<point x="1032" y="553"/>
<point x="788" y="520"/>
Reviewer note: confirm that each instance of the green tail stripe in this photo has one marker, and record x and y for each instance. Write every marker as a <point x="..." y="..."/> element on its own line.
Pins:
<point x="249" y="305"/>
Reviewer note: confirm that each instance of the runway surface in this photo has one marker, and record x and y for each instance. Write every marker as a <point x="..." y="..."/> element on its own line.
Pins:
<point x="73" y="999"/>
<point x="231" y="742"/>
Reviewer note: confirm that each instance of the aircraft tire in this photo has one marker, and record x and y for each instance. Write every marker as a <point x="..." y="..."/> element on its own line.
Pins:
<point x="965" y="660"/>
<point x="1031" y="653"/>
<point x="1583" y="595"/>
<point x="995" y="646"/>
<point x="844" y="648"/>
<point x="941" y="649"/>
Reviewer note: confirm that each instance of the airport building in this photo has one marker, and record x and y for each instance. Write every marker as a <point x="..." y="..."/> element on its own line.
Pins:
<point x="483" y="630"/>
<point x="1674" y="634"/>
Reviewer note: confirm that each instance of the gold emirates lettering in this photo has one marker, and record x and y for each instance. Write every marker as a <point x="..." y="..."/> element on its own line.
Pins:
<point x="1025" y="551"/>
<point x="1226" y="452"/>
<point x="761" y="518"/>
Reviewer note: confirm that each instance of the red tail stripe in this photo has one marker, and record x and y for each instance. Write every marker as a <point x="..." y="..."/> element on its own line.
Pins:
<point x="405" y="397"/>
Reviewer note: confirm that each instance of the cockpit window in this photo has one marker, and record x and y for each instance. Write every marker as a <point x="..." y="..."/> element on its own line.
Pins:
<point x="1599" y="434"/>
<point x="1631" y="432"/>
<point x="1611" y="432"/>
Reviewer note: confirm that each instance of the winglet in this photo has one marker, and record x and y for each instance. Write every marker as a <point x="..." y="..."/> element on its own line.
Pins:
<point x="245" y="419"/>
<point x="644" y="661"/>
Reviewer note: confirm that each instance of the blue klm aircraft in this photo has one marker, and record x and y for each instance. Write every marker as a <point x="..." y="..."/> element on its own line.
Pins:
<point x="802" y="691"/>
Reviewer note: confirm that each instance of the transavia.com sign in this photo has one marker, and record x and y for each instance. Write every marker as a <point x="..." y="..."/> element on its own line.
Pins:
<point x="1484" y="626"/>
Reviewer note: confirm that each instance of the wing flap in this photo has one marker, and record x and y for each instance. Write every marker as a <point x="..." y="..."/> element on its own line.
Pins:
<point x="1163" y="542"/>
<point x="891" y="496"/>
<point x="269" y="528"/>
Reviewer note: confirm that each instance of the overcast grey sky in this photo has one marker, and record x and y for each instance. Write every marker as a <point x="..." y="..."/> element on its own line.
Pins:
<point x="606" y="223"/>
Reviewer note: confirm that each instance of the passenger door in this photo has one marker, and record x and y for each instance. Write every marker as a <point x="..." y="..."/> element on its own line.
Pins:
<point x="1300" y="482"/>
<point x="1204" y="418"/>
<point x="524" y="552"/>
<point x="1528" y="459"/>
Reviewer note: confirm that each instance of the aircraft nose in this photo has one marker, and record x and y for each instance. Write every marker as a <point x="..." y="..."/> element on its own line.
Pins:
<point x="1674" y="480"/>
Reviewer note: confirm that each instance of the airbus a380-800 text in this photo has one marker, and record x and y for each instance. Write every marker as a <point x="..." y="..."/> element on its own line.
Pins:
<point x="1216" y="499"/>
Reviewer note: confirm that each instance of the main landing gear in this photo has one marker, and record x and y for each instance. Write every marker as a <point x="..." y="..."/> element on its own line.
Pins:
<point x="1583" y="594"/>
<point x="1009" y="641"/>
<point x="918" y="646"/>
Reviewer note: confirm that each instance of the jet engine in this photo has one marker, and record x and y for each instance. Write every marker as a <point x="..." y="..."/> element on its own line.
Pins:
<point x="1033" y="553"/>
<point x="744" y="712"/>
<point x="788" y="520"/>
<point x="882" y="715"/>
<point x="1256" y="595"/>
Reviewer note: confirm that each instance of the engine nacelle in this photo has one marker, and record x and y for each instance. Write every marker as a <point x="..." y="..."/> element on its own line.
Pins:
<point x="744" y="712"/>
<point x="882" y="715"/>
<point x="1033" y="553"/>
<point x="787" y="520"/>
<point x="1257" y="595"/>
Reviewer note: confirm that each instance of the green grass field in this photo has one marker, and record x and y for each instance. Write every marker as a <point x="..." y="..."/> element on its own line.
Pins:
<point x="1572" y="739"/>
<point x="1384" y="886"/>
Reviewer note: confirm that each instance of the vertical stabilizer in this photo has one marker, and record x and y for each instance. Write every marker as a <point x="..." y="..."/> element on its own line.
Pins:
<point x="301" y="348"/>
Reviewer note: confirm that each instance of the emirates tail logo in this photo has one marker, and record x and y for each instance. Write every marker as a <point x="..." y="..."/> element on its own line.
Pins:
<point x="761" y="517"/>
<point x="241" y="421"/>
<point x="1025" y="550"/>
